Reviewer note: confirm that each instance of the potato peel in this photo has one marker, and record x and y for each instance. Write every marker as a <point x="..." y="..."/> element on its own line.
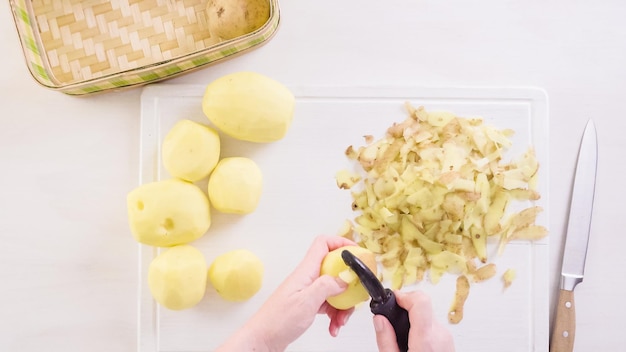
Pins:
<point x="455" y="314"/>
<point x="508" y="277"/>
<point x="438" y="183"/>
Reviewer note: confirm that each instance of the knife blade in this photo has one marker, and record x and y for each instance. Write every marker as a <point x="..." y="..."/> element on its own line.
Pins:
<point x="576" y="241"/>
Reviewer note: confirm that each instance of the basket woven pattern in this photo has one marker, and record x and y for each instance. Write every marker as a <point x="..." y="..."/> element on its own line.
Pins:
<point x="90" y="39"/>
<point x="88" y="46"/>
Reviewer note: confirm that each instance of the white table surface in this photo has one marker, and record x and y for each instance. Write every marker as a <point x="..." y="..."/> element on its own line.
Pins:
<point x="68" y="265"/>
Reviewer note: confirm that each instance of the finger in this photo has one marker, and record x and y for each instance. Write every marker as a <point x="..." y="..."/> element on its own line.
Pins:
<point x="333" y="326"/>
<point x="326" y="308"/>
<point x="385" y="335"/>
<point x="334" y="242"/>
<point x="335" y="323"/>
<point x="309" y="268"/>
<point x="323" y="287"/>
<point x="338" y="319"/>
<point x="420" y="309"/>
<point x="440" y="333"/>
<point x="344" y="315"/>
<point x="324" y="244"/>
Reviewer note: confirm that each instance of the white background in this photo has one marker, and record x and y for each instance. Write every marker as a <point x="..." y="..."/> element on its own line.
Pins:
<point x="68" y="265"/>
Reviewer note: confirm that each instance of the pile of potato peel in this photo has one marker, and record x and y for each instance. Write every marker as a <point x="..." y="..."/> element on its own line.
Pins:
<point x="433" y="191"/>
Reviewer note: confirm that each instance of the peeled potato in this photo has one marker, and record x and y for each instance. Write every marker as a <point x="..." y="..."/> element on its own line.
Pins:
<point x="229" y="19"/>
<point x="190" y="150"/>
<point x="334" y="265"/>
<point x="177" y="277"/>
<point x="249" y="106"/>
<point x="236" y="275"/>
<point x="167" y="213"/>
<point x="235" y="186"/>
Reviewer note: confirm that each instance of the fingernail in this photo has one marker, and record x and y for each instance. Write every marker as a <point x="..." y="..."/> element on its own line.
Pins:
<point x="378" y="324"/>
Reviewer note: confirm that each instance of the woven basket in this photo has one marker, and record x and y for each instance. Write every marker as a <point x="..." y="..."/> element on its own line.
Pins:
<point x="88" y="46"/>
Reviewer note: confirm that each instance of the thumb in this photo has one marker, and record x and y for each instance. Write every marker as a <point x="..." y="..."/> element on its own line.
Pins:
<point x="326" y="286"/>
<point x="385" y="335"/>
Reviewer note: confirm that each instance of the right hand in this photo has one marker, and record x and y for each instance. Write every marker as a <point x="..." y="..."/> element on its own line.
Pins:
<point x="426" y="333"/>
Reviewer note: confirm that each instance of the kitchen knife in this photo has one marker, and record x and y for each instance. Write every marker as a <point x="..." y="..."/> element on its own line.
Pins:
<point x="577" y="237"/>
<point x="383" y="299"/>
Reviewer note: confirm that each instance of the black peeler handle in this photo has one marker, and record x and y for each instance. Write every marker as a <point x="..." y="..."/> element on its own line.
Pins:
<point x="383" y="299"/>
<point x="397" y="316"/>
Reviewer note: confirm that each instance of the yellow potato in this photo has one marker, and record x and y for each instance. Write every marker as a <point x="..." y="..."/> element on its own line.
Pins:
<point x="236" y="275"/>
<point x="235" y="186"/>
<point x="190" y="150"/>
<point x="177" y="277"/>
<point x="229" y="19"/>
<point x="334" y="266"/>
<point x="167" y="213"/>
<point x="249" y="106"/>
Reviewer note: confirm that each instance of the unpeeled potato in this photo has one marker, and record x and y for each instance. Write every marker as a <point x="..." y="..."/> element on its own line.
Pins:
<point x="230" y="19"/>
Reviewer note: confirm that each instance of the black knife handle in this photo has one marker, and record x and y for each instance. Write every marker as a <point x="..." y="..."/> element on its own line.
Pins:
<point x="397" y="316"/>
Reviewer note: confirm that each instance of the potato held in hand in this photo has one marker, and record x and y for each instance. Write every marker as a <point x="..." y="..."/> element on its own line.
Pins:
<point x="230" y="19"/>
<point x="167" y="213"/>
<point x="334" y="265"/>
<point x="177" y="277"/>
<point x="236" y="275"/>
<point x="235" y="186"/>
<point x="190" y="150"/>
<point x="249" y="106"/>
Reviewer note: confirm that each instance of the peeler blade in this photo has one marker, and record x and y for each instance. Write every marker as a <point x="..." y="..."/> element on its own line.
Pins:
<point x="371" y="283"/>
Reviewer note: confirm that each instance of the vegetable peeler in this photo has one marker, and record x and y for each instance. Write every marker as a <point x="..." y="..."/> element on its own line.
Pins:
<point x="383" y="300"/>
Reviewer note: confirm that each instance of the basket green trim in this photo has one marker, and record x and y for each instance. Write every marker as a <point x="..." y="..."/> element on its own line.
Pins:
<point x="29" y="44"/>
<point x="39" y="70"/>
<point x="172" y="70"/>
<point x="228" y="51"/>
<point x="200" y="61"/>
<point x="23" y="15"/>
<point x="119" y="82"/>
<point x="147" y="77"/>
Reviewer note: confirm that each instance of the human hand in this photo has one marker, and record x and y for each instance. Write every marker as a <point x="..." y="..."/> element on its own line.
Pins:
<point x="291" y="309"/>
<point x="426" y="333"/>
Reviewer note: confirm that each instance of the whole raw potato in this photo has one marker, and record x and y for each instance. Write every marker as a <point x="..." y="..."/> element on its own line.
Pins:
<point x="167" y="213"/>
<point x="334" y="265"/>
<point x="229" y="19"/>
<point x="236" y="275"/>
<point x="235" y="186"/>
<point x="177" y="277"/>
<point x="249" y="106"/>
<point x="190" y="150"/>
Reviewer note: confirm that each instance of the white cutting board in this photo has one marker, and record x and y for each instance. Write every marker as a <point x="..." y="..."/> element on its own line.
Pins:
<point x="301" y="200"/>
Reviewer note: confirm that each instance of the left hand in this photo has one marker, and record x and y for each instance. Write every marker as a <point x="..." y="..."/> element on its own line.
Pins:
<point x="300" y="298"/>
